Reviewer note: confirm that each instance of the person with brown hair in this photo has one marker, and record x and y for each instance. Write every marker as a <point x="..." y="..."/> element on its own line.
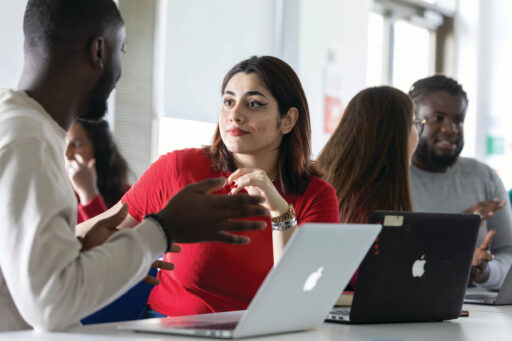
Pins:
<point x="262" y="145"/>
<point x="97" y="170"/>
<point x="367" y="157"/>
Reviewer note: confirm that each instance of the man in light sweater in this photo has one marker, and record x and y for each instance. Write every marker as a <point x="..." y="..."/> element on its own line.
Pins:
<point x="48" y="278"/>
<point x="441" y="181"/>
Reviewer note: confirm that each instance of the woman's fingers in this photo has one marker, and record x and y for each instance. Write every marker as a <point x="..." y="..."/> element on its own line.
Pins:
<point x="238" y="173"/>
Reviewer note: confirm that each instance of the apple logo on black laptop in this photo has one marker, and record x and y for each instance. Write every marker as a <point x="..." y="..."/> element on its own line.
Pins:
<point x="313" y="279"/>
<point x="418" y="267"/>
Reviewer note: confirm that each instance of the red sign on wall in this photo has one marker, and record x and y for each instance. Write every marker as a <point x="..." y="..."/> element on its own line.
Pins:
<point x="333" y="110"/>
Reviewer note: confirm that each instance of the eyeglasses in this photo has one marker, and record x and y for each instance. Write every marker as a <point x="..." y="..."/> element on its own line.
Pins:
<point x="419" y="124"/>
<point x="438" y="120"/>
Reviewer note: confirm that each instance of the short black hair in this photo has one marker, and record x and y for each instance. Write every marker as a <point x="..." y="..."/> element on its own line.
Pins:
<point x="52" y="25"/>
<point x="436" y="83"/>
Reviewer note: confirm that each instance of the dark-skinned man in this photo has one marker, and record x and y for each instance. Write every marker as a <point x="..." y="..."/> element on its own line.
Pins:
<point x="441" y="181"/>
<point x="49" y="279"/>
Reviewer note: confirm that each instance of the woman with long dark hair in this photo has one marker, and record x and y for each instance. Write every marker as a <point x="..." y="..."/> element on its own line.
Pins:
<point x="98" y="172"/>
<point x="368" y="156"/>
<point x="262" y="146"/>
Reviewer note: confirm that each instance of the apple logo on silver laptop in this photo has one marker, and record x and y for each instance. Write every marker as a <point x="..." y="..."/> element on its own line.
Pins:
<point x="418" y="267"/>
<point x="313" y="279"/>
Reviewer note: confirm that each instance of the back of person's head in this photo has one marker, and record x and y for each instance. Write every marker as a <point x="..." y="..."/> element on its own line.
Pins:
<point x="54" y="27"/>
<point x="295" y="167"/>
<point x="367" y="159"/>
<point x="111" y="167"/>
<point x="436" y="83"/>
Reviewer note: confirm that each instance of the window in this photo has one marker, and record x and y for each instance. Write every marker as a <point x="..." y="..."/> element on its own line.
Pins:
<point x="412" y="54"/>
<point x="408" y="40"/>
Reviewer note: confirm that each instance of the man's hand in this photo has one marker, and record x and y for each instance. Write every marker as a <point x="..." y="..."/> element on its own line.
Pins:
<point x="487" y="208"/>
<point x="194" y="215"/>
<point x="479" y="266"/>
<point x="103" y="229"/>
<point x="160" y="264"/>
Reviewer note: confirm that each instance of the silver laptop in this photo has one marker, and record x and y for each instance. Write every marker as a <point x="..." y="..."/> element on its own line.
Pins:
<point x="501" y="297"/>
<point x="296" y="294"/>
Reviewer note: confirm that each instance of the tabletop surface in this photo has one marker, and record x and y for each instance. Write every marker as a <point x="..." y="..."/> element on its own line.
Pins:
<point x="483" y="323"/>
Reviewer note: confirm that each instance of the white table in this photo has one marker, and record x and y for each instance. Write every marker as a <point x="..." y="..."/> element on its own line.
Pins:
<point x="485" y="323"/>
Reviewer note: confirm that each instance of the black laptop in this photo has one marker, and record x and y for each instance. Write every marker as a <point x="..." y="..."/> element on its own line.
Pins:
<point x="417" y="269"/>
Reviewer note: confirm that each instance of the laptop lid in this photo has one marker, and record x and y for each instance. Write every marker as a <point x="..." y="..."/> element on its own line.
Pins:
<point x="298" y="292"/>
<point x="482" y="296"/>
<point x="418" y="268"/>
<point x="317" y="264"/>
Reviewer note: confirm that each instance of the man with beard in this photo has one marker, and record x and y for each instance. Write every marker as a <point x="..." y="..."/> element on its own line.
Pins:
<point x="443" y="182"/>
<point x="48" y="278"/>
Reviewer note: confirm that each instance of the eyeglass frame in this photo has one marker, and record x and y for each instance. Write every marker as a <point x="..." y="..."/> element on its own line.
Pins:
<point x="419" y="125"/>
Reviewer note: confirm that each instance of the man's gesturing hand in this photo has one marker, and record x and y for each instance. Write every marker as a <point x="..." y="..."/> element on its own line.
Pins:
<point x="481" y="258"/>
<point x="486" y="209"/>
<point x="195" y="215"/>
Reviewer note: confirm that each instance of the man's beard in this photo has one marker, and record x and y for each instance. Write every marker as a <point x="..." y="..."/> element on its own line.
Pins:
<point x="432" y="160"/>
<point x="96" y="110"/>
<point x="97" y="106"/>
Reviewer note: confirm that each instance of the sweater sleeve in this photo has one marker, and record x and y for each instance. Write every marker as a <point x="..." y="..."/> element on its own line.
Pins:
<point x="94" y="207"/>
<point x="52" y="283"/>
<point x="501" y="246"/>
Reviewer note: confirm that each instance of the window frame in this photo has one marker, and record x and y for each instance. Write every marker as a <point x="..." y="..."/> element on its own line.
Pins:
<point x="437" y="19"/>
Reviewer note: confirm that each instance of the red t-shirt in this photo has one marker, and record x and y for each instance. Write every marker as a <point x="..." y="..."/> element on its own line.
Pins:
<point x="213" y="277"/>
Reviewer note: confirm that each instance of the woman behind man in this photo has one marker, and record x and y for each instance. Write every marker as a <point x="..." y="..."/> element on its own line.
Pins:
<point x="368" y="156"/>
<point x="262" y="146"/>
<point x="98" y="172"/>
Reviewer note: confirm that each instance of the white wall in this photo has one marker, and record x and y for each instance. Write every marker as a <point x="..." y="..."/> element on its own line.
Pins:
<point x="484" y="67"/>
<point x="466" y="69"/>
<point x="206" y="38"/>
<point x="203" y="42"/>
<point x="11" y="41"/>
<point x="339" y="27"/>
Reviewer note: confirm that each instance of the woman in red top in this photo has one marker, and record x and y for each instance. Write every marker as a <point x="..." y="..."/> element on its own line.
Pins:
<point x="368" y="156"/>
<point x="262" y="146"/>
<point x="98" y="172"/>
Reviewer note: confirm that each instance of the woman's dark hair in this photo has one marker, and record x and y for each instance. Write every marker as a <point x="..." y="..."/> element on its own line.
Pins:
<point x="366" y="159"/>
<point x="111" y="167"/>
<point x="295" y="166"/>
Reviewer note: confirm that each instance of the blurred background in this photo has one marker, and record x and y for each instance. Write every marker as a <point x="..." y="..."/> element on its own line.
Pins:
<point x="178" y="52"/>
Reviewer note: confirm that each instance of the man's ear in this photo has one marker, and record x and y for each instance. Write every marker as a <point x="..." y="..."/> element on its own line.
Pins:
<point x="97" y="52"/>
<point x="289" y="120"/>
